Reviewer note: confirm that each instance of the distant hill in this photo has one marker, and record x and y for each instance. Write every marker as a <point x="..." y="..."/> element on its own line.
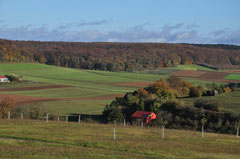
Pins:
<point x="119" y="56"/>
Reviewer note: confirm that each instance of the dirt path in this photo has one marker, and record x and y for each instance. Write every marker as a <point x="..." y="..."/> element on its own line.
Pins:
<point x="33" y="88"/>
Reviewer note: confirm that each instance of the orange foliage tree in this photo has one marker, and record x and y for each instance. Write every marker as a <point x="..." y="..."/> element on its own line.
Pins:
<point x="6" y="105"/>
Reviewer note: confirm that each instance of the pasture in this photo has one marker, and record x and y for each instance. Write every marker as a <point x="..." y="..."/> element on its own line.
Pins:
<point x="82" y="86"/>
<point x="38" y="139"/>
<point x="191" y="67"/>
<point x="64" y="90"/>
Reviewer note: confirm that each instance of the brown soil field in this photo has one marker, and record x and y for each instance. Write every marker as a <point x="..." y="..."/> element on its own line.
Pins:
<point x="188" y="73"/>
<point x="33" y="88"/>
<point x="233" y="71"/>
<point x="134" y="84"/>
<point x="213" y="75"/>
<point x="20" y="99"/>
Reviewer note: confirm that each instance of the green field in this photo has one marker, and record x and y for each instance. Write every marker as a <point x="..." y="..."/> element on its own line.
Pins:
<point x="38" y="139"/>
<point x="84" y="83"/>
<point x="87" y="83"/>
<point x="191" y="67"/>
<point x="230" y="102"/>
<point x="233" y="77"/>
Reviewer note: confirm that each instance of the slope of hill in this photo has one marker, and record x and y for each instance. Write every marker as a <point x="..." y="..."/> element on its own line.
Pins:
<point x="38" y="139"/>
<point x="65" y="90"/>
<point x="119" y="56"/>
<point x="87" y="92"/>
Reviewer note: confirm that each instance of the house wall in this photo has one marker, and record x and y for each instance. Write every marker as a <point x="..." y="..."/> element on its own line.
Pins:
<point x="3" y="80"/>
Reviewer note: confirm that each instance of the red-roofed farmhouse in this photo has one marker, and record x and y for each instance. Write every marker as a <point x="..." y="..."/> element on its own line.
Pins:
<point x="3" y="79"/>
<point x="145" y="116"/>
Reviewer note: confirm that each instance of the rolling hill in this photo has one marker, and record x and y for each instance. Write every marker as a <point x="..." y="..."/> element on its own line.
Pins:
<point x="64" y="90"/>
<point x="119" y="56"/>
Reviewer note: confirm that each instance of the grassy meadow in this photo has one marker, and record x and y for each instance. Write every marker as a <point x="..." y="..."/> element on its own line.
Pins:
<point x="83" y="83"/>
<point x="191" y="67"/>
<point x="38" y="139"/>
<point x="90" y="83"/>
<point x="230" y="102"/>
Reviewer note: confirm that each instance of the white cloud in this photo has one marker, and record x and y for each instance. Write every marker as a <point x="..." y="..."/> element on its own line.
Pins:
<point x="169" y="33"/>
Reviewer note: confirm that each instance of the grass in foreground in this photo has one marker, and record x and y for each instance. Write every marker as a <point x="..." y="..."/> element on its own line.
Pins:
<point x="36" y="139"/>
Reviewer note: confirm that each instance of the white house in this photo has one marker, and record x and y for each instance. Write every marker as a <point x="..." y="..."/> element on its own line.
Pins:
<point x="3" y="79"/>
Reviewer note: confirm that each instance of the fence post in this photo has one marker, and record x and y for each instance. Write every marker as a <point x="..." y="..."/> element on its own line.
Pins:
<point x="9" y="115"/>
<point x="237" y="131"/>
<point x="114" y="133"/>
<point x="21" y="115"/>
<point x="124" y="122"/>
<point x="67" y="118"/>
<point x="202" y="132"/>
<point x="47" y="118"/>
<point x="79" y="118"/>
<point x="58" y="119"/>
<point x="163" y="127"/>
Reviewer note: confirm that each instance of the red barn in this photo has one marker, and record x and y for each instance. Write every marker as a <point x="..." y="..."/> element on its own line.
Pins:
<point x="145" y="116"/>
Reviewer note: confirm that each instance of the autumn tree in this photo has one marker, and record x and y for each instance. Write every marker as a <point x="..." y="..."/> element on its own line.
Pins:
<point x="6" y="106"/>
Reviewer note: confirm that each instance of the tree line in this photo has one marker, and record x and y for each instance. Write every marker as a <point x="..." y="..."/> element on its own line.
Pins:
<point x="119" y="56"/>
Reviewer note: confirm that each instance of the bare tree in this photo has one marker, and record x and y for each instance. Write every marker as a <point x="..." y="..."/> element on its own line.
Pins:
<point x="6" y="106"/>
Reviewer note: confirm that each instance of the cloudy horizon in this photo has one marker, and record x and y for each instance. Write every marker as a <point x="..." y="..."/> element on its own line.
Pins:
<point x="34" y="24"/>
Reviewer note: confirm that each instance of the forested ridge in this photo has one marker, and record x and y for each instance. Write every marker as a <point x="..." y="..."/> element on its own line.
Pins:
<point x="119" y="56"/>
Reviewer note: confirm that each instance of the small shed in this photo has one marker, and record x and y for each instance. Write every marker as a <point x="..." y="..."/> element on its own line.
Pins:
<point x="144" y="116"/>
<point x="3" y="79"/>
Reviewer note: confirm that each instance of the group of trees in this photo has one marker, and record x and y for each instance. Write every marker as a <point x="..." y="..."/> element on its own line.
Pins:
<point x="162" y="98"/>
<point x="119" y="56"/>
<point x="14" y="78"/>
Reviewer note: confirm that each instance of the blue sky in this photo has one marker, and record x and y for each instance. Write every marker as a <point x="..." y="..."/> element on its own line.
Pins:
<point x="173" y="21"/>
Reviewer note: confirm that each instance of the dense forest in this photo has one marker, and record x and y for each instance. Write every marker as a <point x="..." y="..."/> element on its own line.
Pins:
<point x="119" y="56"/>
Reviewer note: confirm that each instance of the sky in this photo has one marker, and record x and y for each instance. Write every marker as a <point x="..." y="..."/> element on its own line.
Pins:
<point x="168" y="21"/>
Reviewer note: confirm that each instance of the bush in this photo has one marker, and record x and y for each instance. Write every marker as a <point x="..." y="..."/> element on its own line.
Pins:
<point x="33" y="112"/>
<point x="195" y="91"/>
<point x="227" y="90"/>
<point x="209" y="105"/>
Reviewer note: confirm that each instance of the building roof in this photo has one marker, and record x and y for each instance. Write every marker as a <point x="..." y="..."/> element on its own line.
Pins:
<point x="2" y="76"/>
<point x="141" y="114"/>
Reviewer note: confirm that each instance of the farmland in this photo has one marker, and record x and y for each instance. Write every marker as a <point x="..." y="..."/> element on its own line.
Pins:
<point x="64" y="90"/>
<point x="79" y="85"/>
<point x="38" y="139"/>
